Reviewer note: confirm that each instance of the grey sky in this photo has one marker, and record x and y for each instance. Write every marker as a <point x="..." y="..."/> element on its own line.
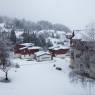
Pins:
<point x="73" y="13"/>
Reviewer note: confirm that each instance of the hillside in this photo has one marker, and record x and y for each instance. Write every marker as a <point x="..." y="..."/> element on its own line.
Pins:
<point x="32" y="26"/>
<point x="44" y="37"/>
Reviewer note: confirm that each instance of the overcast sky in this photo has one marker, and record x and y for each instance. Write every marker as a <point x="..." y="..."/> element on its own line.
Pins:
<point x="73" y="13"/>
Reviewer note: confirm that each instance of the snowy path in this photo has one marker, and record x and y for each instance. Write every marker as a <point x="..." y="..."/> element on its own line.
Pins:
<point x="42" y="79"/>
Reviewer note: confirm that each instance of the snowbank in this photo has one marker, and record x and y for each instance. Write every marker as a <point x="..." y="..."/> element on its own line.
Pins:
<point x="42" y="79"/>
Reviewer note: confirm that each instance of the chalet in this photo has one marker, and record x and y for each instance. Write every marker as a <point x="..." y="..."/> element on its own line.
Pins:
<point x="43" y="56"/>
<point x="33" y="49"/>
<point x="83" y="53"/>
<point x="25" y="50"/>
<point x="58" y="51"/>
<point x="29" y="52"/>
<point x="18" y="46"/>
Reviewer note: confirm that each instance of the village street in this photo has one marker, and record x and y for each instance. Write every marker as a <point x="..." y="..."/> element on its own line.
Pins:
<point x="41" y="78"/>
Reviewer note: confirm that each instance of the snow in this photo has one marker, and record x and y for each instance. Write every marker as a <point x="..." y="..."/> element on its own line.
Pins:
<point x="19" y="33"/>
<point x="27" y="44"/>
<point x="28" y="47"/>
<point x="53" y="47"/>
<point x="54" y="40"/>
<point x="41" y="78"/>
<point x="41" y="53"/>
<point x="68" y="35"/>
<point x="3" y="29"/>
<point x="87" y="34"/>
<point x="22" y="48"/>
<point x="2" y="25"/>
<point x="81" y="35"/>
<point x="34" y="47"/>
<point x="59" y="47"/>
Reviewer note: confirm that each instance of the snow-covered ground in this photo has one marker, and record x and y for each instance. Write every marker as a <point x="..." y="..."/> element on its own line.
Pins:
<point x="41" y="78"/>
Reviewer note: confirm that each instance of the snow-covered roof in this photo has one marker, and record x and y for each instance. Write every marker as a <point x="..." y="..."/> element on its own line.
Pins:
<point x="41" y="53"/>
<point x="78" y="36"/>
<point x="34" y="47"/>
<point x="53" y="47"/>
<point x="85" y="35"/>
<point x="59" y="47"/>
<point x="23" y="48"/>
<point x="29" y="48"/>
<point x="27" y="44"/>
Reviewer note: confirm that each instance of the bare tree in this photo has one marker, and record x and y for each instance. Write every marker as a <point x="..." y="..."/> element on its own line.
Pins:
<point x="90" y="32"/>
<point x="5" y="63"/>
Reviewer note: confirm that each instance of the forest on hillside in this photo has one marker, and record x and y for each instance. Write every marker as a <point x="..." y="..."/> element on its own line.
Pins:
<point x="32" y="26"/>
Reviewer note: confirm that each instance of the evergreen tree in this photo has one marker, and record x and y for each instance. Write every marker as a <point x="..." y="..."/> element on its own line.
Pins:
<point x="13" y="36"/>
<point x="25" y="37"/>
<point x="42" y="41"/>
<point x="49" y="43"/>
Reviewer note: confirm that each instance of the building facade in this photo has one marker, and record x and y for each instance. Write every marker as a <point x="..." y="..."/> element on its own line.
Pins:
<point x="83" y="57"/>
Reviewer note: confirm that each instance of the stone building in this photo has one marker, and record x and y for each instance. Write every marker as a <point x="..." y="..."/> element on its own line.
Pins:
<point x="83" y="54"/>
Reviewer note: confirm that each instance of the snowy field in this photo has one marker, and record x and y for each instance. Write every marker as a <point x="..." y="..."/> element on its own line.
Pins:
<point x="41" y="78"/>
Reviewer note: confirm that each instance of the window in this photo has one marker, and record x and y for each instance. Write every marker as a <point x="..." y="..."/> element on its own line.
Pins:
<point x="78" y="55"/>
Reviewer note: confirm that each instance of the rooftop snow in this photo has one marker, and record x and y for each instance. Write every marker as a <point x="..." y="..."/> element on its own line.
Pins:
<point x="41" y="53"/>
<point x="34" y="47"/>
<point x="87" y="34"/>
<point x="59" y="47"/>
<point x="27" y="44"/>
<point x="23" y="48"/>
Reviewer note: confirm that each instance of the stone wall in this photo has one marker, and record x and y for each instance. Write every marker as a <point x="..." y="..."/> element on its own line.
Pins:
<point x="83" y="57"/>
